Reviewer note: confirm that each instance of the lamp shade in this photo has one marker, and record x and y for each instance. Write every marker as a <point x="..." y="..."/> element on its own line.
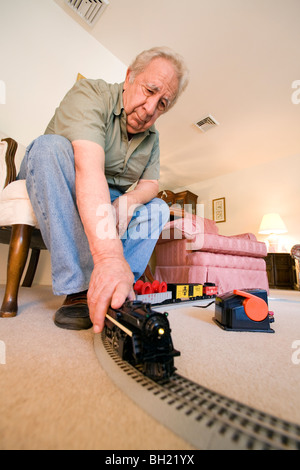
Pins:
<point x="272" y="223"/>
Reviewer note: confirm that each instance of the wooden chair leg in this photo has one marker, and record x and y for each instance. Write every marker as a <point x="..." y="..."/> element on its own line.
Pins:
<point x="17" y="256"/>
<point x="34" y="259"/>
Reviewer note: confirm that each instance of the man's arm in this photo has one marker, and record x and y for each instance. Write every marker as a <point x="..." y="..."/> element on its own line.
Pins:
<point x="144" y="191"/>
<point x="112" y="279"/>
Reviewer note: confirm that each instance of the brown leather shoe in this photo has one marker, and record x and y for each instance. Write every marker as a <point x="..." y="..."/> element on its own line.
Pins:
<point x="74" y="313"/>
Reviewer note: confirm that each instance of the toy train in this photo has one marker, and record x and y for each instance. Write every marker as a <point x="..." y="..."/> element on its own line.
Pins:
<point x="157" y="292"/>
<point x="142" y="337"/>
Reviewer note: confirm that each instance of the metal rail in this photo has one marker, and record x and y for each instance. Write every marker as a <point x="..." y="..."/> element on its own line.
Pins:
<point x="205" y="419"/>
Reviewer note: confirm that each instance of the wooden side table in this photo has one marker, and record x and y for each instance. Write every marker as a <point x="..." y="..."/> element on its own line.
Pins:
<point x="280" y="270"/>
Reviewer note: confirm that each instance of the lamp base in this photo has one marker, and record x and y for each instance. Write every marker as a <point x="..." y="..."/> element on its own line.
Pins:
<point x="272" y="243"/>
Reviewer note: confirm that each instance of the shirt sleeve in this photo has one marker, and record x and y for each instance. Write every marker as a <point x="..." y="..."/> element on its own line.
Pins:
<point x="152" y="169"/>
<point x="82" y="114"/>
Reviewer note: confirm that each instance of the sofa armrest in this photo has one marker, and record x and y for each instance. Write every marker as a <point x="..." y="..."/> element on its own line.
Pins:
<point x="245" y="236"/>
<point x="188" y="227"/>
<point x="169" y="234"/>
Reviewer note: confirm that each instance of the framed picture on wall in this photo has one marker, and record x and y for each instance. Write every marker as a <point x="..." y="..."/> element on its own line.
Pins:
<point x="219" y="210"/>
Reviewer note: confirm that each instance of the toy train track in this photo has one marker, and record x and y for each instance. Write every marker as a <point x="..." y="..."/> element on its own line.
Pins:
<point x="203" y="418"/>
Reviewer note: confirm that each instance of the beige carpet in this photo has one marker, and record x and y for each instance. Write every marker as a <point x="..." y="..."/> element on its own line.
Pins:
<point x="55" y="395"/>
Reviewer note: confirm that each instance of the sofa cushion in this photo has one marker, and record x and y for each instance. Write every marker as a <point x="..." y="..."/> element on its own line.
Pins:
<point x="235" y="245"/>
<point x="202" y="258"/>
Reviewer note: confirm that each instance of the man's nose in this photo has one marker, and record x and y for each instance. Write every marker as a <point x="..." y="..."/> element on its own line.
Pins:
<point x="150" y="105"/>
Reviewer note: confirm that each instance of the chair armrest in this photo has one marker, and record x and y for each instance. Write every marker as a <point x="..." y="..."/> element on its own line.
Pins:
<point x="11" y="172"/>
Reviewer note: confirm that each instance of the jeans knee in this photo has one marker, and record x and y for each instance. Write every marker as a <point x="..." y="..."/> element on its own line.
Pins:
<point x="52" y="140"/>
<point x="51" y="143"/>
<point x="46" y="149"/>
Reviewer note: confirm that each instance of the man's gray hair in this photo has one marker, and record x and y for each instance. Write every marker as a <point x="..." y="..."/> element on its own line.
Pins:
<point x="144" y="58"/>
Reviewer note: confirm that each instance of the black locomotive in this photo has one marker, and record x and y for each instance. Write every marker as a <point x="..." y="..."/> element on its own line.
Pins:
<point x="142" y="337"/>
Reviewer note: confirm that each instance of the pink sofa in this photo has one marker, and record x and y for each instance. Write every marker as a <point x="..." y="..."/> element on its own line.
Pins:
<point x="191" y="250"/>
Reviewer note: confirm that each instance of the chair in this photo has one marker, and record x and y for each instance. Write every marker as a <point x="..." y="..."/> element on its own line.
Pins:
<point x="18" y="226"/>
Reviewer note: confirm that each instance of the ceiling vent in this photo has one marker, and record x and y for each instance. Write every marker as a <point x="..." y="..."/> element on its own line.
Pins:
<point x="88" y="10"/>
<point x="207" y="123"/>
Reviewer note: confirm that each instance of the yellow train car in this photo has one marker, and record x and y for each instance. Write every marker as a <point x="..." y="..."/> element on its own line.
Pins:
<point x="185" y="291"/>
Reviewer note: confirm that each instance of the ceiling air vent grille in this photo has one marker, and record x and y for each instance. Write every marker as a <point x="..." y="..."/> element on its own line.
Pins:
<point x="88" y="10"/>
<point x="207" y="123"/>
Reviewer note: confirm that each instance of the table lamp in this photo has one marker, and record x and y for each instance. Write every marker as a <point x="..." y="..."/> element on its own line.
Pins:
<point x="272" y="225"/>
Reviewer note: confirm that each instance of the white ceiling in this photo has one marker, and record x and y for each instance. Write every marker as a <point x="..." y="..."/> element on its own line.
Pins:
<point x="243" y="56"/>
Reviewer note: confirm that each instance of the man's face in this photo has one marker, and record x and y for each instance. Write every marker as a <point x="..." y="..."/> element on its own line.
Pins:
<point x="150" y="94"/>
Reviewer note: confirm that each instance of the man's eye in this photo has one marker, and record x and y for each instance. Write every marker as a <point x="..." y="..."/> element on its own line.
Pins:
<point x="162" y="105"/>
<point x="148" y="91"/>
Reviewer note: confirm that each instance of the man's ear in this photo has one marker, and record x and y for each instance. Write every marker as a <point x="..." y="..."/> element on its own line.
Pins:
<point x="127" y="79"/>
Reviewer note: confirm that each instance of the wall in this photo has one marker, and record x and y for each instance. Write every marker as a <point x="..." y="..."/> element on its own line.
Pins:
<point x="271" y="187"/>
<point x="42" y="50"/>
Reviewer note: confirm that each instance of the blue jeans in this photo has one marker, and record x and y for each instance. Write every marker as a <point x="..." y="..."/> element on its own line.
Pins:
<point x="49" y="170"/>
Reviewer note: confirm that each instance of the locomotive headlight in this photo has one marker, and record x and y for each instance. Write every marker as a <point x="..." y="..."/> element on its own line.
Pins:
<point x="155" y="328"/>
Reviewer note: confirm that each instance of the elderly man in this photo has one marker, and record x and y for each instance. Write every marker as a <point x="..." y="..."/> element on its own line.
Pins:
<point x="100" y="142"/>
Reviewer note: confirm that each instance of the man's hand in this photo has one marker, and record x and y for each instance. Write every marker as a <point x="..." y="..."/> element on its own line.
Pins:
<point x="110" y="283"/>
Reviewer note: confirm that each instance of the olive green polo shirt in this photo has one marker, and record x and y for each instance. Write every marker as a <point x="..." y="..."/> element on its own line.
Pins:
<point x="93" y="110"/>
